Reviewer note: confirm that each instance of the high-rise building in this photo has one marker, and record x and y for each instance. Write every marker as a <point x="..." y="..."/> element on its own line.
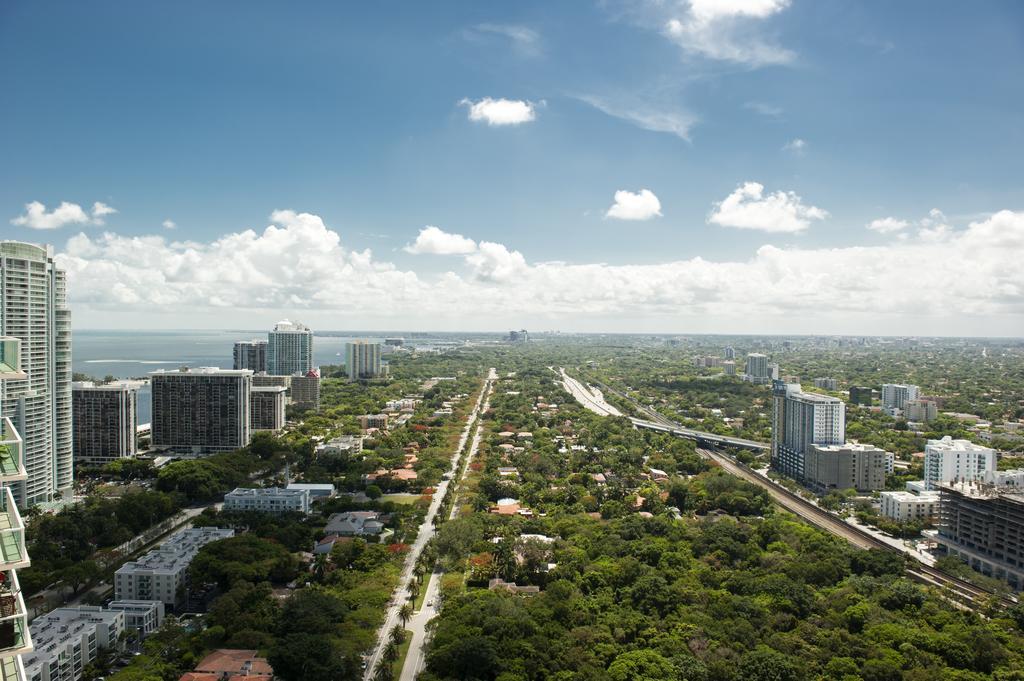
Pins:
<point x="362" y="360"/>
<point x="251" y="354"/>
<point x="896" y="395"/>
<point x="800" y="420"/>
<point x="846" y="466"/>
<point x="304" y="391"/>
<point x="201" y="411"/>
<point x="729" y="368"/>
<point x="289" y="349"/>
<point x="106" y="421"/>
<point x="757" y="368"/>
<point x="860" y="395"/>
<point x="826" y="383"/>
<point x="15" y="636"/>
<point x="730" y="353"/>
<point x="33" y="308"/>
<point x="921" y="411"/>
<point x="951" y="461"/>
<point x="266" y="406"/>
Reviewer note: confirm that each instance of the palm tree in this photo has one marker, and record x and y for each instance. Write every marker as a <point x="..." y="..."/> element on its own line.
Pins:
<point x="404" y="613"/>
<point x="397" y="636"/>
<point x="320" y="566"/>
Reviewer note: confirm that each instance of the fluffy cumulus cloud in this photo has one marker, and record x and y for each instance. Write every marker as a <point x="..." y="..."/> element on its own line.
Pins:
<point x="37" y="217"/>
<point x="726" y="30"/>
<point x="642" y="205"/>
<point x="436" y="241"/>
<point x="748" y="207"/>
<point x="886" y="225"/>
<point x="500" y="111"/>
<point x="966" y="279"/>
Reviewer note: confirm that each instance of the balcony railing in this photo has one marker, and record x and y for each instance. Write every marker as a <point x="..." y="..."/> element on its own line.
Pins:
<point x="12" y="669"/>
<point x="15" y="637"/>
<point x="12" y="534"/>
<point x="11" y="468"/>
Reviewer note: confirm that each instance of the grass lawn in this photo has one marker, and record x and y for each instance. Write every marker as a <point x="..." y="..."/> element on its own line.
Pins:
<point x="400" y="498"/>
<point x="403" y="650"/>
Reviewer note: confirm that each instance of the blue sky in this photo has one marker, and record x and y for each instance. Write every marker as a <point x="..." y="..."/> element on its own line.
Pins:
<point x="215" y="115"/>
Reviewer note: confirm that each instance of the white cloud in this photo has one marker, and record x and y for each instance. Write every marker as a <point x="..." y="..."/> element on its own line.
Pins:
<point x="642" y="205"/>
<point x="169" y="224"/>
<point x="501" y="111"/>
<point x="886" y="225"/>
<point x="749" y="208"/>
<point x="37" y="217"/>
<point x="657" y="117"/>
<point x="796" y="146"/>
<point x="525" y="40"/>
<point x="724" y="30"/>
<point x="434" y="240"/>
<point x="298" y="264"/>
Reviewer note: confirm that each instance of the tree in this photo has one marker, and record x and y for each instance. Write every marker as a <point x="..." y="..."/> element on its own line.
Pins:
<point x="404" y="613"/>
<point x="641" y="665"/>
<point x="80" y="574"/>
<point x="242" y="558"/>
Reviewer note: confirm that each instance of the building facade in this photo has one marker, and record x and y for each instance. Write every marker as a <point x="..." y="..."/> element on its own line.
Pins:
<point x="162" y="574"/>
<point x="845" y="466"/>
<point x="15" y="635"/>
<point x="950" y="461"/>
<point x="826" y="383"/>
<point x="800" y="420"/>
<point x="896" y="395"/>
<point x="250" y="355"/>
<point x="143" y="617"/>
<point x="861" y="394"/>
<point x="201" y="411"/>
<point x="304" y="390"/>
<point x="985" y="528"/>
<point x="106" y="422"/>
<point x="266" y="406"/>
<point x="757" y="368"/>
<point x="362" y="360"/>
<point x="68" y="639"/>
<point x="267" y="500"/>
<point x="289" y="349"/>
<point x="908" y="507"/>
<point x="33" y="308"/>
<point x="921" y="411"/>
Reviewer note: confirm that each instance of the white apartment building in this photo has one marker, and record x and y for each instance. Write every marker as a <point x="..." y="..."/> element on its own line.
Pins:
<point x="757" y="368"/>
<point x="906" y="507"/>
<point x="344" y="444"/>
<point x="289" y="349"/>
<point x="68" y="639"/>
<point x="950" y="461"/>
<point x="896" y="395"/>
<point x="144" y="617"/>
<point x="162" y="574"/>
<point x="362" y="360"/>
<point x="800" y="420"/>
<point x="921" y="411"/>
<point x="267" y="500"/>
<point x="33" y="309"/>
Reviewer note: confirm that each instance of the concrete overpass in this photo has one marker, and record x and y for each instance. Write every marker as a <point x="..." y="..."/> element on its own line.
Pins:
<point x="702" y="437"/>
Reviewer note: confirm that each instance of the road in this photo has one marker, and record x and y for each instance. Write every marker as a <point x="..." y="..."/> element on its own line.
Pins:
<point x="417" y="624"/>
<point x="425" y="533"/>
<point x="589" y="396"/>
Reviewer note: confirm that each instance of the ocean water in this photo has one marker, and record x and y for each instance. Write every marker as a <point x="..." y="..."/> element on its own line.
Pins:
<point x="133" y="354"/>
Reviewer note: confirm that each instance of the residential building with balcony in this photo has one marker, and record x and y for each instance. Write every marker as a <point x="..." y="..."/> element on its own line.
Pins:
<point x="289" y="349"/>
<point x="201" y="411"/>
<point x="266" y="407"/>
<point x="106" y="421"/>
<point x="267" y="500"/>
<point x="143" y="617"/>
<point x="250" y="355"/>
<point x="949" y="461"/>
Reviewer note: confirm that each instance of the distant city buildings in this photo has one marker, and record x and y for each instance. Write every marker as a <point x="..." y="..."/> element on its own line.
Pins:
<point x="861" y="395"/>
<point x="106" y="421"/>
<point x="201" y="411"/>
<point x="394" y="342"/>
<point x="267" y="407"/>
<point x="162" y="574"/>
<point x="289" y="349"/>
<point x="826" y="383"/>
<point x="33" y="292"/>
<point x="800" y="420"/>
<point x="757" y="368"/>
<point x="273" y="500"/>
<point x="896" y="395"/>
<point x="729" y="353"/>
<point x="520" y="336"/>
<point x="251" y="355"/>
<point x="362" y="360"/>
<point x="846" y="466"/>
<point x="951" y="461"/>
<point x="921" y="411"/>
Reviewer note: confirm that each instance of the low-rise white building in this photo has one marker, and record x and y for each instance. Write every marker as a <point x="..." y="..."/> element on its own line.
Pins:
<point x="162" y="574"/>
<point x="267" y="500"/>
<point x="144" y="617"/>
<point x="68" y="639"/>
<point x="906" y="507"/>
<point x="345" y="444"/>
<point x="316" y="490"/>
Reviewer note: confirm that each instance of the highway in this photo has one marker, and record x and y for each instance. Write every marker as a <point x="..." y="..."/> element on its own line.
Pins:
<point x="425" y="533"/>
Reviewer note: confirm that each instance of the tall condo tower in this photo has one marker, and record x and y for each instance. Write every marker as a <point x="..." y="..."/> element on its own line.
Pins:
<point x="800" y="420"/>
<point x="15" y="638"/>
<point x="362" y="360"/>
<point x="33" y="309"/>
<point x="251" y="355"/>
<point x="289" y="349"/>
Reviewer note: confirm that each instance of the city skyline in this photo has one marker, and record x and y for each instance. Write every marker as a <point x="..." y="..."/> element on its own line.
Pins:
<point x="772" y="167"/>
